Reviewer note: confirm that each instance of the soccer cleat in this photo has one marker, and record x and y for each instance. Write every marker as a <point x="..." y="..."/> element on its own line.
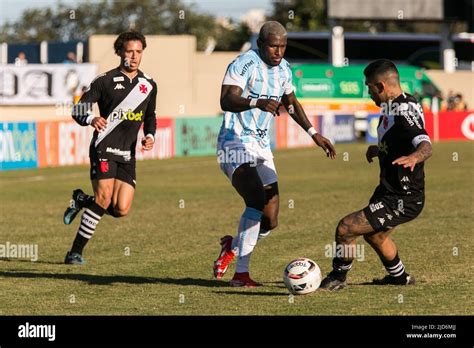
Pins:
<point x="74" y="259"/>
<point x="390" y="280"/>
<point x="78" y="201"/>
<point x="243" y="280"/>
<point x="225" y="257"/>
<point x="331" y="283"/>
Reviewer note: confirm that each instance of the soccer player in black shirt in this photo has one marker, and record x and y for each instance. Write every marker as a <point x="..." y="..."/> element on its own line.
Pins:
<point x="403" y="146"/>
<point x="126" y="98"/>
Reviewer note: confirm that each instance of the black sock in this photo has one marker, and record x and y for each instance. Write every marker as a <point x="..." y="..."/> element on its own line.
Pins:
<point x="340" y="268"/>
<point x="396" y="268"/>
<point x="111" y="211"/>
<point x="89" y="220"/>
<point x="89" y="201"/>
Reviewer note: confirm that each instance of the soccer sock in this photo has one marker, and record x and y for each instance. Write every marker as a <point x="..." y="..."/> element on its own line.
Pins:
<point x="340" y="268"/>
<point x="247" y="236"/>
<point x="395" y="268"/>
<point x="89" y="201"/>
<point x="111" y="210"/>
<point x="89" y="220"/>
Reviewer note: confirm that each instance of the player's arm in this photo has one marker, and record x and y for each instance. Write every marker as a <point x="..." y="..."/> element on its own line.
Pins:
<point x="149" y="124"/>
<point x="422" y="153"/>
<point x="296" y="111"/>
<point x="232" y="100"/>
<point x="413" y="125"/>
<point x="82" y="112"/>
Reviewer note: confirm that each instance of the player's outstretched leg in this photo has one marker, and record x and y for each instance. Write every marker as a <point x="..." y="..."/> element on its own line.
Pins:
<point x="348" y="229"/>
<point x="79" y="200"/>
<point x="387" y="251"/>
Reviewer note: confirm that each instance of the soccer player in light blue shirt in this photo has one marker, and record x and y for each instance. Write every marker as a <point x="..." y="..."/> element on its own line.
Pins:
<point x="255" y="85"/>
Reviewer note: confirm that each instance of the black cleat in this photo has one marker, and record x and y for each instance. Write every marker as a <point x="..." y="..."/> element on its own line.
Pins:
<point x="389" y="280"/>
<point x="78" y="201"/>
<point x="331" y="283"/>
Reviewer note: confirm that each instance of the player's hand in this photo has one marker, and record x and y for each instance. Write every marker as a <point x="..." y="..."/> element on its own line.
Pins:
<point x="325" y="144"/>
<point x="269" y="105"/>
<point x="406" y="162"/>
<point x="99" y="123"/>
<point x="147" y="143"/>
<point x="372" y="151"/>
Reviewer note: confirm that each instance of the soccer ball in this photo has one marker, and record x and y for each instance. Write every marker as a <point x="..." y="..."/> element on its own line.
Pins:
<point x="302" y="276"/>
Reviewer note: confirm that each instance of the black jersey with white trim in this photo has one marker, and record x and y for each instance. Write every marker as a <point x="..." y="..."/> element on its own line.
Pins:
<point x="400" y="131"/>
<point x="126" y="104"/>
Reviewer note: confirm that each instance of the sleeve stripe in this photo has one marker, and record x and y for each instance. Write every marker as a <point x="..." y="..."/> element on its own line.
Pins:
<point x="420" y="138"/>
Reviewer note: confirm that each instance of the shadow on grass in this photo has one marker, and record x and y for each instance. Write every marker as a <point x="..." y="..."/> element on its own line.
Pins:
<point x="33" y="262"/>
<point x="251" y="293"/>
<point x="94" y="279"/>
<point x="386" y="285"/>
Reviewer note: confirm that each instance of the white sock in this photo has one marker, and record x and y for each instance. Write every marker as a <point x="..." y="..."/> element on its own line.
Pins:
<point x="246" y="238"/>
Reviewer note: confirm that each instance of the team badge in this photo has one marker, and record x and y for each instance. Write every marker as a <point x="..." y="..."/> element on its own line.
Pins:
<point x="143" y="89"/>
<point x="104" y="166"/>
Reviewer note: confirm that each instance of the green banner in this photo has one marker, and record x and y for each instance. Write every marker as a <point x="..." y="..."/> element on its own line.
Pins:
<point x="196" y="136"/>
<point x="326" y="81"/>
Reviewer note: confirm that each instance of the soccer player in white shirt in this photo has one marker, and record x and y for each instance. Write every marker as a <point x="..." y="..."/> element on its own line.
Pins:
<point x="255" y="85"/>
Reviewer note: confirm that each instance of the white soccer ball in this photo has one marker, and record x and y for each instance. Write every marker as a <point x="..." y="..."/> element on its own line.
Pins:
<point x="302" y="276"/>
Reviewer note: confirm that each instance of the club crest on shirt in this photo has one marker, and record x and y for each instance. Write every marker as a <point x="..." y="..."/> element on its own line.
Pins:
<point x="104" y="166"/>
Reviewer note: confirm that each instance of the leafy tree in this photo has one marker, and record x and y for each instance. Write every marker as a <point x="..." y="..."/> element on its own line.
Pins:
<point x="65" y="23"/>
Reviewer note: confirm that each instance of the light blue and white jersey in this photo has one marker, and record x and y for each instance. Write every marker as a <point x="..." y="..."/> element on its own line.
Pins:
<point x="249" y="129"/>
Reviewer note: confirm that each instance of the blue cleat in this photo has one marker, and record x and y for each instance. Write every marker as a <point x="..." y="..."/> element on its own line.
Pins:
<point x="74" y="259"/>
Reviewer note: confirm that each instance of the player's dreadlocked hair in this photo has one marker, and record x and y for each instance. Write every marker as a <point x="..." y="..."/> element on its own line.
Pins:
<point x="379" y="67"/>
<point x="128" y="36"/>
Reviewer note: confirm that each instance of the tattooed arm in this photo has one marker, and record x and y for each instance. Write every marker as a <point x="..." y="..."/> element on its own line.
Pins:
<point x="422" y="153"/>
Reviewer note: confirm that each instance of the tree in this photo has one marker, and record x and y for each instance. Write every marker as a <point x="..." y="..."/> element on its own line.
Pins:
<point x="152" y="17"/>
<point x="300" y="15"/>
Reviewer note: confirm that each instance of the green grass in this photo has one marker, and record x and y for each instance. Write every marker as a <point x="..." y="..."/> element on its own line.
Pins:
<point x="172" y="249"/>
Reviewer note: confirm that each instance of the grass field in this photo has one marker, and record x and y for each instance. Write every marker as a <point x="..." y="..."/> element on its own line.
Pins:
<point x="171" y="249"/>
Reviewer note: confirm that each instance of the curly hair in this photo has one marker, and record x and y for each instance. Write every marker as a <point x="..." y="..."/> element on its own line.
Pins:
<point x="128" y="36"/>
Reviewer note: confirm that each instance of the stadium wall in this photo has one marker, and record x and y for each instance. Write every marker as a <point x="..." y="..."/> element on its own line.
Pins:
<point x="61" y="143"/>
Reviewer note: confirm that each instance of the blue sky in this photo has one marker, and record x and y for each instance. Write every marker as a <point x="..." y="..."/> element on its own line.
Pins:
<point x="11" y="10"/>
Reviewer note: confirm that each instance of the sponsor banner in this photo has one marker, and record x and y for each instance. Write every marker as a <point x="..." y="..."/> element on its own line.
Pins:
<point x="43" y="84"/>
<point x="313" y="106"/>
<point x="18" y="145"/>
<point x="196" y="136"/>
<point x="456" y="125"/>
<point x="338" y="128"/>
<point x="62" y="143"/>
<point x="164" y="141"/>
<point x="372" y="124"/>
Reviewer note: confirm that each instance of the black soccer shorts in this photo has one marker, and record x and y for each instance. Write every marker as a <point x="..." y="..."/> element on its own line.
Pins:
<point x="108" y="169"/>
<point x="386" y="211"/>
